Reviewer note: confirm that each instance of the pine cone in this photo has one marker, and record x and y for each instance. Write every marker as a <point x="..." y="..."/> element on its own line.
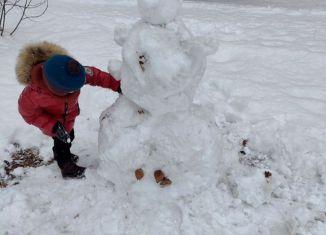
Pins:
<point x="165" y="182"/>
<point x="139" y="173"/>
<point x="159" y="176"/>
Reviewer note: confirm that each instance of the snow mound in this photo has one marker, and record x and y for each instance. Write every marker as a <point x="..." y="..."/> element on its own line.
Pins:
<point x="185" y="145"/>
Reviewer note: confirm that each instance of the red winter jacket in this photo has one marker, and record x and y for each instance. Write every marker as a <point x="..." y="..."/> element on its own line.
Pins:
<point x="41" y="108"/>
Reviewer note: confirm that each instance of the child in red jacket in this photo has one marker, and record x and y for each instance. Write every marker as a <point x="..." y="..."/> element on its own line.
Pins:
<point x="50" y="99"/>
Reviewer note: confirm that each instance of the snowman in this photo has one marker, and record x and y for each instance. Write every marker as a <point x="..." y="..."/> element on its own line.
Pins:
<point x="154" y="134"/>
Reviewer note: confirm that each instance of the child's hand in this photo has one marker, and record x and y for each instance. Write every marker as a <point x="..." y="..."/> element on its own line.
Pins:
<point x="61" y="133"/>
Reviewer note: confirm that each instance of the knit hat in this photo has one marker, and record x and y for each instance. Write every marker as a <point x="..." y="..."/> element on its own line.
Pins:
<point x="63" y="74"/>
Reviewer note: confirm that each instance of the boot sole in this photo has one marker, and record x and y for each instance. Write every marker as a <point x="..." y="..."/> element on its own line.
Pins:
<point x="81" y="176"/>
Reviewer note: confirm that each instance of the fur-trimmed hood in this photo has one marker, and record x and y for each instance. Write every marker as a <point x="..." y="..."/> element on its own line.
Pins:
<point x="32" y="55"/>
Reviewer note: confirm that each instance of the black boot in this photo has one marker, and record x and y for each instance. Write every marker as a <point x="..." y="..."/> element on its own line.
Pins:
<point x="74" y="157"/>
<point x="69" y="169"/>
<point x="60" y="145"/>
<point x="66" y="160"/>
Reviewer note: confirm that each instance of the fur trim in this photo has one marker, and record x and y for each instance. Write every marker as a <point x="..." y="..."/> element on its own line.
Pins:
<point x="32" y="55"/>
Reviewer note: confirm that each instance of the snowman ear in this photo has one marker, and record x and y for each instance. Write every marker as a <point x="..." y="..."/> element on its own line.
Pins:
<point x="121" y="34"/>
<point x="209" y="45"/>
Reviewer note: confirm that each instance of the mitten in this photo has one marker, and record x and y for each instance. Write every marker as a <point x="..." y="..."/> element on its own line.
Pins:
<point x="61" y="133"/>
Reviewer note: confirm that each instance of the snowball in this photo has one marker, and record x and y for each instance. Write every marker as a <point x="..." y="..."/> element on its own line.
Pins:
<point x="163" y="62"/>
<point x="121" y="34"/>
<point x="185" y="145"/>
<point x="159" y="11"/>
<point x="159" y="71"/>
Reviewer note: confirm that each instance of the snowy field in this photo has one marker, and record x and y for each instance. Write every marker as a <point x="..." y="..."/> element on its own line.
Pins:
<point x="297" y="4"/>
<point x="265" y="88"/>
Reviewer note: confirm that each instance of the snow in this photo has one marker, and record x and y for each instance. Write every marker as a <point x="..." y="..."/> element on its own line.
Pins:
<point x="159" y="12"/>
<point x="162" y="84"/>
<point x="161" y="67"/>
<point x="186" y="145"/>
<point x="265" y="84"/>
<point x="162" y="64"/>
<point x="294" y="4"/>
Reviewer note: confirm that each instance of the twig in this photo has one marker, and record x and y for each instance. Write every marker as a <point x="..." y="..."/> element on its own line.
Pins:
<point x="3" y="17"/>
<point x="28" y="5"/>
<point x="6" y="6"/>
<point x="21" y="19"/>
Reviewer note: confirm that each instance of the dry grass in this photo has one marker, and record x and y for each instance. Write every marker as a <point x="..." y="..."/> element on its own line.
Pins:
<point x="25" y="158"/>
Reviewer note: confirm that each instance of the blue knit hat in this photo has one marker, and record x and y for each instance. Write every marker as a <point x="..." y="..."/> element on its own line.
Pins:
<point x="63" y="74"/>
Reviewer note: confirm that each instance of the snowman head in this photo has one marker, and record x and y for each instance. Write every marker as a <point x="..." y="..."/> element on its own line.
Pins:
<point x="159" y="11"/>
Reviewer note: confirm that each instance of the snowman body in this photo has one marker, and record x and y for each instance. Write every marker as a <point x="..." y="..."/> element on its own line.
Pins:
<point x="154" y="124"/>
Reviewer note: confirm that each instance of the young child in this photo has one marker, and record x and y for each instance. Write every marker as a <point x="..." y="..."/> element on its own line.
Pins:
<point x="49" y="101"/>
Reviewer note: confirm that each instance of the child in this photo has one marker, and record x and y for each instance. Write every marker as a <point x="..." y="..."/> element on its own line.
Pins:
<point x="50" y="99"/>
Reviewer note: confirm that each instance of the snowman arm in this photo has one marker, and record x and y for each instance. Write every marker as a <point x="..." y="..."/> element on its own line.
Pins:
<point x="96" y="77"/>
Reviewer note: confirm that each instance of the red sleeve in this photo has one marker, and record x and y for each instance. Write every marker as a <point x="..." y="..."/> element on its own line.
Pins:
<point x="33" y="114"/>
<point x="96" y="77"/>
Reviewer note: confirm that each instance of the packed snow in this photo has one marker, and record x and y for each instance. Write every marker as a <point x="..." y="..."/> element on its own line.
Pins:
<point x="162" y="62"/>
<point x="247" y="157"/>
<point x="166" y="132"/>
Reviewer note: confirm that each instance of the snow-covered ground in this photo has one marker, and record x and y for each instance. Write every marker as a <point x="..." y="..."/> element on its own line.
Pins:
<point x="296" y="4"/>
<point x="266" y="84"/>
